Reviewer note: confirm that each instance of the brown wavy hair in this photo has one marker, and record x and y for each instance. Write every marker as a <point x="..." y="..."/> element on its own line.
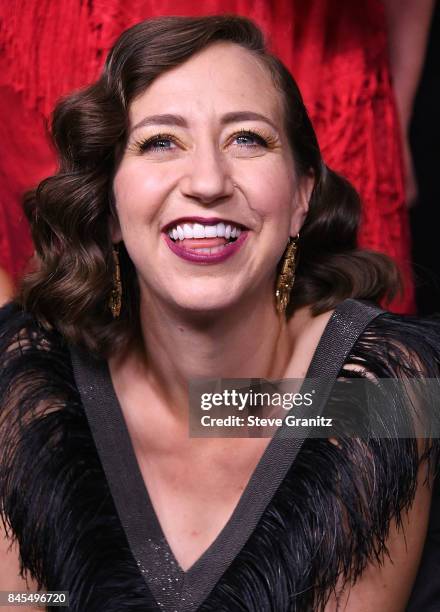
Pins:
<point x="69" y="212"/>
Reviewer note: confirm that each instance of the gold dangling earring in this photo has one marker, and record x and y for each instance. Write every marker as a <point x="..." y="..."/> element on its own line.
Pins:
<point x="286" y="277"/>
<point x="115" y="301"/>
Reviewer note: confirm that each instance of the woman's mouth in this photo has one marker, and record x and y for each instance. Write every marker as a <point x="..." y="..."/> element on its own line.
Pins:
<point x="205" y="243"/>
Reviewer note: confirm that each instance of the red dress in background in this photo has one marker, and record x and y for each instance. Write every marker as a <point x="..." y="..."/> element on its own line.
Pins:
<point x="336" y="49"/>
<point x="339" y="58"/>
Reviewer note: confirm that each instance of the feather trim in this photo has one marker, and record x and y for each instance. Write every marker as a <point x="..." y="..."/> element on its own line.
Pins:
<point x="353" y="490"/>
<point x="55" y="500"/>
<point x="54" y="496"/>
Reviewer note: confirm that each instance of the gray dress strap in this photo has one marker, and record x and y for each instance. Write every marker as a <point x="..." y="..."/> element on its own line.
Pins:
<point x="174" y="589"/>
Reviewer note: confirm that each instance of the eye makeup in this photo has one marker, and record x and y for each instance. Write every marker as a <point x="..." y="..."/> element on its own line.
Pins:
<point x="165" y="142"/>
<point x="156" y="143"/>
<point x="262" y="139"/>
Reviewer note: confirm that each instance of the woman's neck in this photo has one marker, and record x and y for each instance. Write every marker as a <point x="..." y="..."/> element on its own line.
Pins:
<point x="251" y="342"/>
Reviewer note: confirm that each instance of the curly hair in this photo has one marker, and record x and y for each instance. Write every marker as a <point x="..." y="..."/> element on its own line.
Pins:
<point x="69" y="212"/>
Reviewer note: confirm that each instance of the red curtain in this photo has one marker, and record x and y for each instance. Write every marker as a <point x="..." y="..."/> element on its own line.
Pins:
<point x="336" y="49"/>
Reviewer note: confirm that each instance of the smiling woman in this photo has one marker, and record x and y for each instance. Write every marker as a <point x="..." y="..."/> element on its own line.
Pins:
<point x="190" y="180"/>
<point x="216" y="148"/>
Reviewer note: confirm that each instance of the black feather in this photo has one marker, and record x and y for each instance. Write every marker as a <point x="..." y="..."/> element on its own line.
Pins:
<point x="329" y="518"/>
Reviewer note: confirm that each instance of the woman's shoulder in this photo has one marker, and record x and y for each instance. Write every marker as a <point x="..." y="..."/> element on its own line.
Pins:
<point x="37" y="386"/>
<point x="34" y="361"/>
<point x="36" y="374"/>
<point x="400" y="354"/>
<point x="49" y="461"/>
<point x="398" y="345"/>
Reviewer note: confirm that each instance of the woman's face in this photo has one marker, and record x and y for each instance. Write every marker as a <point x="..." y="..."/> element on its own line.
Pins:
<point x="208" y="150"/>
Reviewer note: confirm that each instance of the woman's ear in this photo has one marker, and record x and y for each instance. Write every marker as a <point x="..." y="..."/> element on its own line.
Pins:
<point x="301" y="204"/>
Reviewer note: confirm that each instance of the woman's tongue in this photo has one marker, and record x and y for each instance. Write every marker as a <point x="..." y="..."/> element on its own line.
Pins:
<point x="200" y="243"/>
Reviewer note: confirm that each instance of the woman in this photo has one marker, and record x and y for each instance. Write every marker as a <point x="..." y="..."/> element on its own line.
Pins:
<point x="338" y="51"/>
<point x="168" y="250"/>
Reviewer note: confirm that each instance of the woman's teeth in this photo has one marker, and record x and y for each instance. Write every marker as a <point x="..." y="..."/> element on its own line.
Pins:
<point x="210" y="251"/>
<point x="197" y="230"/>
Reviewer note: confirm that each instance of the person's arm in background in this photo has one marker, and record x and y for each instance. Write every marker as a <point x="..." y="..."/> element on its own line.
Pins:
<point x="408" y="24"/>
<point x="6" y="287"/>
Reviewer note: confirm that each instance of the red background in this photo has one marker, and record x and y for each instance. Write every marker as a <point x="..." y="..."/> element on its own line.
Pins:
<point x="336" y="49"/>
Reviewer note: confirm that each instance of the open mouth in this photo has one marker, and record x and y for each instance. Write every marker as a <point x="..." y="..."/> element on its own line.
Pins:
<point x="204" y="239"/>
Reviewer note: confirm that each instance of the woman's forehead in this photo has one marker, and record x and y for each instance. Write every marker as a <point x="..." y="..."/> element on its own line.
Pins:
<point x="223" y="78"/>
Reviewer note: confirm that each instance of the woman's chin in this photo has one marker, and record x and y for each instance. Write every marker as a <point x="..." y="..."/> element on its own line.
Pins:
<point x="204" y="302"/>
<point x="207" y="306"/>
<point x="210" y="296"/>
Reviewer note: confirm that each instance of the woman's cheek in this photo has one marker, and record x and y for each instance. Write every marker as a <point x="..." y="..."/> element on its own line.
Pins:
<point x="139" y="194"/>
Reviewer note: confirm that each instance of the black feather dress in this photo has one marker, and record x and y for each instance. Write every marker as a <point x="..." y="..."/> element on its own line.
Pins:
<point x="85" y="525"/>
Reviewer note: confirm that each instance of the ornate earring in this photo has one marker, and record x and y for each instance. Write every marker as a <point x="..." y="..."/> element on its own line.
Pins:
<point x="115" y="302"/>
<point x="286" y="277"/>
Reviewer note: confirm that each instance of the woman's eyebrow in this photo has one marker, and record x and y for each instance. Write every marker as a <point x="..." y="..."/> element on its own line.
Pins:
<point x="246" y="116"/>
<point x="232" y="117"/>
<point x="165" y="119"/>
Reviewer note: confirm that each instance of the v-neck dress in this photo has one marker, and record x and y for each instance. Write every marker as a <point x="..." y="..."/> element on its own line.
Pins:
<point x="72" y="490"/>
<point x="176" y="590"/>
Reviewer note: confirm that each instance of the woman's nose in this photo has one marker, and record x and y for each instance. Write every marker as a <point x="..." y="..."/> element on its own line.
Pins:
<point x="207" y="178"/>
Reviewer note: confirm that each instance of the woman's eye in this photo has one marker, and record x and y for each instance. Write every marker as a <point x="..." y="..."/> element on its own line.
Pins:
<point x="249" y="139"/>
<point x="158" y="143"/>
<point x="246" y="141"/>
